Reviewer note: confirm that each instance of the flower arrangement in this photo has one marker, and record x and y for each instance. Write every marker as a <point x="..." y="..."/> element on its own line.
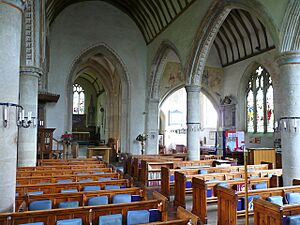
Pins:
<point x="67" y="138"/>
<point x="142" y="138"/>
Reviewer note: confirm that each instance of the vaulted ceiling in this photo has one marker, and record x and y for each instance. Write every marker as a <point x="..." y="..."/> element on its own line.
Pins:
<point x="241" y="36"/>
<point x="151" y="16"/>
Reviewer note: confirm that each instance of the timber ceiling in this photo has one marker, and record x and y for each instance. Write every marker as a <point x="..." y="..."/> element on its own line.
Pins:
<point x="241" y="36"/>
<point x="151" y="16"/>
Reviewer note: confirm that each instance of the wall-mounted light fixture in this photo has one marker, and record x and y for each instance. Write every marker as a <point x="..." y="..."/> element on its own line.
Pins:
<point x="287" y="123"/>
<point x="21" y="119"/>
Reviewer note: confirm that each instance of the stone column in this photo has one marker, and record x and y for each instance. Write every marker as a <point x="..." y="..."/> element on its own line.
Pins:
<point x="152" y="127"/>
<point x="193" y="121"/>
<point x="10" y="44"/>
<point x="289" y="89"/>
<point x="27" y="150"/>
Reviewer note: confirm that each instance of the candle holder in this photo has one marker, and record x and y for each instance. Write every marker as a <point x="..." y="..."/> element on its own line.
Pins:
<point x="21" y="120"/>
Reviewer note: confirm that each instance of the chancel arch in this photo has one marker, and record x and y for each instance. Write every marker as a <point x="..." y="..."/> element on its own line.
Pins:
<point x="100" y="67"/>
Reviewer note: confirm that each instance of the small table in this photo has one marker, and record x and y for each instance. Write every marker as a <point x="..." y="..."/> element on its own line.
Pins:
<point x="103" y="151"/>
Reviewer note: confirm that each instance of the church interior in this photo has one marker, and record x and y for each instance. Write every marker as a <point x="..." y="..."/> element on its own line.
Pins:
<point x="149" y="112"/>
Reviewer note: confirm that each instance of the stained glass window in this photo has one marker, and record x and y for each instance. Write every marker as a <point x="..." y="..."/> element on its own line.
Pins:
<point x="260" y="108"/>
<point x="78" y="99"/>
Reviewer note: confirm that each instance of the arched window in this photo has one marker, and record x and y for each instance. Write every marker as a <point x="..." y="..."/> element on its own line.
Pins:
<point x="78" y="99"/>
<point x="260" y="108"/>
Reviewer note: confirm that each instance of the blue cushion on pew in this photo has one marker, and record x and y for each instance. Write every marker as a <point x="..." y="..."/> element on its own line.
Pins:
<point x="188" y="184"/>
<point x="121" y="198"/>
<point x="223" y="184"/>
<point x="76" y="221"/>
<point x="155" y="215"/>
<point x="172" y="178"/>
<point x="17" y="194"/>
<point x="64" y="181"/>
<point x="86" y="180"/>
<point x="114" y="219"/>
<point x="293" y="198"/>
<point x="239" y="205"/>
<point x="99" y="200"/>
<point x="123" y="186"/>
<point x="109" y="187"/>
<point x="40" y="205"/>
<point x="293" y="220"/>
<point x="68" y="190"/>
<point x="91" y="188"/>
<point x="250" y="201"/>
<point x="137" y="217"/>
<point x="104" y="178"/>
<point x="261" y="185"/>
<point x="276" y="200"/>
<point x="136" y="198"/>
<point x="98" y="172"/>
<point x="81" y="173"/>
<point x="68" y="204"/>
<point x="44" y="182"/>
<point x="237" y="178"/>
<point x="36" y="223"/>
<point x="203" y="172"/>
<point x="213" y="180"/>
<point x="209" y="193"/>
<point x="35" y="193"/>
<point x="254" y="176"/>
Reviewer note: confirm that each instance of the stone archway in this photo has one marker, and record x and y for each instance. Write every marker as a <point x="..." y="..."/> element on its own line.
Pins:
<point x="152" y="106"/>
<point x="121" y="103"/>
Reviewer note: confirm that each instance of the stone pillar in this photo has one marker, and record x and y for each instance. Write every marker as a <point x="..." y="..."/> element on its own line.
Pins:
<point x="152" y="127"/>
<point x="27" y="150"/>
<point x="289" y="89"/>
<point x="10" y="44"/>
<point x="193" y="121"/>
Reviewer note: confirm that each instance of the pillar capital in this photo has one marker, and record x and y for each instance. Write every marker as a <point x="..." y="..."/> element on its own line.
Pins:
<point x="31" y="71"/>
<point x="288" y="58"/>
<point x="19" y="4"/>
<point x="193" y="88"/>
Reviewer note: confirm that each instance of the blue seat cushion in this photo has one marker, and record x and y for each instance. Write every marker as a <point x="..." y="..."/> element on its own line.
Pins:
<point x="261" y="185"/>
<point x="81" y="173"/>
<point x="250" y="202"/>
<point x="188" y="184"/>
<point x="91" y="188"/>
<point x="109" y="187"/>
<point x="40" y="205"/>
<point x="114" y="219"/>
<point x="64" y="181"/>
<point x="36" y="223"/>
<point x="293" y="198"/>
<point x="104" y="178"/>
<point x="276" y="200"/>
<point x="137" y="217"/>
<point x="237" y="178"/>
<point x="98" y="172"/>
<point x="209" y="193"/>
<point x="203" y="172"/>
<point x="86" y="180"/>
<point x="213" y="180"/>
<point x="99" y="200"/>
<point x="223" y="184"/>
<point x="171" y="178"/>
<point x="155" y="215"/>
<point x="136" y="198"/>
<point x="254" y="176"/>
<point x="240" y="205"/>
<point x="293" y="220"/>
<point x="121" y="198"/>
<point x="76" y="221"/>
<point x="35" y="193"/>
<point x="69" y="190"/>
<point x="73" y="204"/>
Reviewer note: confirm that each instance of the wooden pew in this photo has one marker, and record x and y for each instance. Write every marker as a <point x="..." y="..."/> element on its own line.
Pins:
<point x="88" y="214"/>
<point x="166" y="174"/>
<point x="201" y="188"/>
<point x="62" y="167"/>
<point x="57" y="187"/>
<point x="22" y="202"/>
<point x="268" y="213"/>
<point x="56" y="178"/>
<point x="180" y="189"/>
<point x="61" y="172"/>
<point x="228" y="201"/>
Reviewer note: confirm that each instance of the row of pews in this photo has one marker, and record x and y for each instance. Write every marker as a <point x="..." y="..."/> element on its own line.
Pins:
<point x="85" y="192"/>
<point x="268" y="201"/>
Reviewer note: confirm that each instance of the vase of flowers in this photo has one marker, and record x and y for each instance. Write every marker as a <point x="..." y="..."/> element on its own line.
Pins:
<point x="142" y="138"/>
